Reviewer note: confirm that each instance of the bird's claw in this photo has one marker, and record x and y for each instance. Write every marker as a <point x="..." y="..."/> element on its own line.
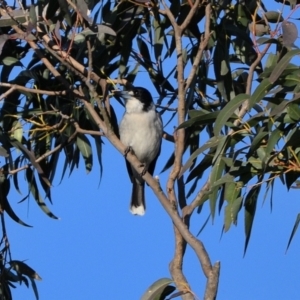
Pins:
<point x="127" y="150"/>
<point x="144" y="170"/>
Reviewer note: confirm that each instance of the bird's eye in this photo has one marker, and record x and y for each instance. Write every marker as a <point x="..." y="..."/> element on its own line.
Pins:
<point x="136" y="93"/>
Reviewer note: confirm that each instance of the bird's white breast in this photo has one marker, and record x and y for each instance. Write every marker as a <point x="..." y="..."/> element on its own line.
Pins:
<point x="142" y="131"/>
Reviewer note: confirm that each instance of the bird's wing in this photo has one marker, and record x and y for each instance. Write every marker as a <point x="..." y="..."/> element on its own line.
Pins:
<point x="129" y="170"/>
<point x="153" y="163"/>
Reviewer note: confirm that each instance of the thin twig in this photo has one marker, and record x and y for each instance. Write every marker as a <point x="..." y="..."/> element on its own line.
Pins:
<point x="30" y="90"/>
<point x="90" y="60"/>
<point x="202" y="46"/>
<point x="190" y="15"/>
<point x="8" y="92"/>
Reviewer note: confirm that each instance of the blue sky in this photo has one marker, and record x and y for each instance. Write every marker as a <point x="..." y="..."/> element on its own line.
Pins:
<point x="98" y="250"/>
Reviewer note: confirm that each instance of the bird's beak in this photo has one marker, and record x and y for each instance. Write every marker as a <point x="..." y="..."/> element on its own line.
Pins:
<point x="120" y="96"/>
<point x="123" y="94"/>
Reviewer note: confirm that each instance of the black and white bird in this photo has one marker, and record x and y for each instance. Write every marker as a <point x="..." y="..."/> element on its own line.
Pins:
<point x="141" y="131"/>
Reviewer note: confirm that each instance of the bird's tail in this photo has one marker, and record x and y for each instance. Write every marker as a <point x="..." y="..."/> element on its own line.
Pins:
<point x="137" y="204"/>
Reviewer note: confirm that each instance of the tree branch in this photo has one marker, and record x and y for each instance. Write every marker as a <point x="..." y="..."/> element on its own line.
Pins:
<point x="190" y="15"/>
<point x="202" y="46"/>
<point x="14" y="87"/>
<point x="181" y="227"/>
<point x="212" y="283"/>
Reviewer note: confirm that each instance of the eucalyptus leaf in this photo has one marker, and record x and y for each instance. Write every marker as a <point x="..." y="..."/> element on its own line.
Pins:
<point x="156" y="289"/>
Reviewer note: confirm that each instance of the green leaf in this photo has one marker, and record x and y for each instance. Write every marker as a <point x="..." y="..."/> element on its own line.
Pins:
<point x="270" y="187"/>
<point x="106" y="29"/>
<point x="257" y="141"/>
<point x="198" y="171"/>
<point x="35" y="193"/>
<point x="291" y="79"/>
<point x="85" y="149"/>
<point x="231" y="211"/>
<point x="280" y="67"/>
<point x="255" y="162"/>
<point x="259" y="29"/>
<point x="266" y="40"/>
<point x="259" y="93"/>
<point x="5" y="290"/>
<point x="17" y="131"/>
<point x="295" y="227"/>
<point x="157" y="289"/>
<point x="3" y="152"/>
<point x="272" y="141"/>
<point x="34" y="287"/>
<point x="213" y="142"/>
<point x="227" y="112"/>
<point x="290" y="178"/>
<point x="250" y="209"/>
<point x="10" y="61"/>
<point x="78" y="38"/>
<point x="30" y="155"/>
<point x="144" y="51"/>
<point x="22" y="268"/>
<point x="273" y="16"/>
<point x="221" y="147"/>
<point x="11" y="213"/>
<point x="98" y="144"/>
<point x="15" y="176"/>
<point x="158" y="37"/>
<point x="216" y="173"/>
<point x="32" y="15"/>
<point x="204" y="224"/>
<point x="293" y="111"/>
<point x="227" y="178"/>
<point x="289" y="33"/>
<point x="202" y="117"/>
<point x="74" y="160"/>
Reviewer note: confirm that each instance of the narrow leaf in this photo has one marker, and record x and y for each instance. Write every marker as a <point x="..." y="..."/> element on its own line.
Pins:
<point x="98" y="144"/>
<point x="260" y="92"/>
<point x="213" y="142"/>
<point x="228" y="111"/>
<point x="280" y="67"/>
<point x="250" y="209"/>
<point x="273" y="16"/>
<point x="156" y="289"/>
<point x="34" y="287"/>
<point x="11" y="213"/>
<point x="31" y="157"/>
<point x="295" y="227"/>
<point x="106" y="29"/>
<point x="202" y="118"/>
<point x="24" y="269"/>
<point x="215" y="174"/>
<point x="35" y="193"/>
<point x="85" y="149"/>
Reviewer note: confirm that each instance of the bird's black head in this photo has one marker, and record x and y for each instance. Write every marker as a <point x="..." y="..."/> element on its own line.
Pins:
<point x="142" y="95"/>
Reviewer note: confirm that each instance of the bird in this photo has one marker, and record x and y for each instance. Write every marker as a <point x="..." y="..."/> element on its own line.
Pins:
<point x="141" y="132"/>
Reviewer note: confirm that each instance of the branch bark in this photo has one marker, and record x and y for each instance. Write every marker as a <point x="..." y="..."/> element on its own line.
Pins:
<point x="181" y="236"/>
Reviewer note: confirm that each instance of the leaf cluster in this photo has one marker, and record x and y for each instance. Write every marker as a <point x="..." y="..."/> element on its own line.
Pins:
<point x="241" y="105"/>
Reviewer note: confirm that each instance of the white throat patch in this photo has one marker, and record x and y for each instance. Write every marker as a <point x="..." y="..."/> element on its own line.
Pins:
<point x="134" y="105"/>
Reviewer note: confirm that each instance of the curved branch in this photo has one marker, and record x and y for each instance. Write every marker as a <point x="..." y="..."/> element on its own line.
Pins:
<point x="196" y="245"/>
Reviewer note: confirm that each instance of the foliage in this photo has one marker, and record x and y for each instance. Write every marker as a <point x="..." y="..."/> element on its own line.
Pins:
<point x="237" y="102"/>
